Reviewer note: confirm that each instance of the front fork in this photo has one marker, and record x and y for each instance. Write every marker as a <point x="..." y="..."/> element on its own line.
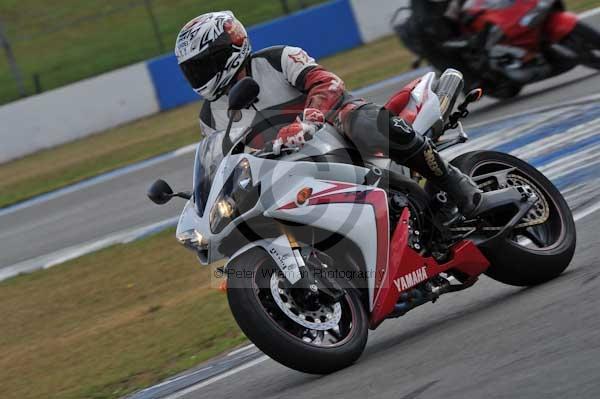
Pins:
<point x="287" y="255"/>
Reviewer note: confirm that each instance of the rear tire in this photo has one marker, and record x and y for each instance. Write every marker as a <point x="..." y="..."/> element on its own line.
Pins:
<point x="269" y="335"/>
<point x="512" y="263"/>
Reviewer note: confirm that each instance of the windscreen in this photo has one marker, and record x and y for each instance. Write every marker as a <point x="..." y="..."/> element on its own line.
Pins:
<point x="208" y="158"/>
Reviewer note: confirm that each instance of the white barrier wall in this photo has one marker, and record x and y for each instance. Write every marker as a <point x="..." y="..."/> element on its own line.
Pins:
<point x="373" y="17"/>
<point x="75" y="111"/>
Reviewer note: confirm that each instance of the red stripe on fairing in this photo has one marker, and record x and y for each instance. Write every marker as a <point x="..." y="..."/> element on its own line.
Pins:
<point x="378" y="200"/>
<point x="336" y="187"/>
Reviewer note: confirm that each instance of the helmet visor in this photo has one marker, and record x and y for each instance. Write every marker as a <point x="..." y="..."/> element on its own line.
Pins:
<point x="200" y="69"/>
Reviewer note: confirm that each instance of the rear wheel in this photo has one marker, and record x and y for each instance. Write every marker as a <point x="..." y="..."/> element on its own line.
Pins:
<point x="542" y="244"/>
<point x="297" y="328"/>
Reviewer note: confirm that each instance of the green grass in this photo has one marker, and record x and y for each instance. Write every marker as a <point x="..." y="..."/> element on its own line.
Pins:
<point x="109" y="323"/>
<point x="582" y="5"/>
<point x="67" y="40"/>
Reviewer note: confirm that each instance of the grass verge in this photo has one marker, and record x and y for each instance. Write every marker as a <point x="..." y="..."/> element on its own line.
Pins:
<point x="128" y="317"/>
<point x="67" y="40"/>
<point x="581" y="5"/>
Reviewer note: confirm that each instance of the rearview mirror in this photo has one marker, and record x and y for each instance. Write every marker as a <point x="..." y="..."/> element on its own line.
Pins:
<point x="160" y="192"/>
<point x="243" y="94"/>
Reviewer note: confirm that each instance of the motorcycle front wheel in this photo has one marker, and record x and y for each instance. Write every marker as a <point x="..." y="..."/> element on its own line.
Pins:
<point x="542" y="244"/>
<point x="297" y="328"/>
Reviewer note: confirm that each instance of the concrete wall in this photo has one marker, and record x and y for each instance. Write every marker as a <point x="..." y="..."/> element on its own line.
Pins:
<point x="75" y="111"/>
<point x="373" y="17"/>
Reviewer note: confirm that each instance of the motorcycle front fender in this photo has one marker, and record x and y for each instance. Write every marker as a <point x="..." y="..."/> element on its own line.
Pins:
<point x="287" y="259"/>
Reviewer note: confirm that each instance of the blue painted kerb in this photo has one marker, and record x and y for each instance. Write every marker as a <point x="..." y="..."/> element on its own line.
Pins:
<point x="321" y="30"/>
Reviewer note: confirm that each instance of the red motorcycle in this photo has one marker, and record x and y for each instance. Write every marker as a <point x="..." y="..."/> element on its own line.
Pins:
<point x="501" y="45"/>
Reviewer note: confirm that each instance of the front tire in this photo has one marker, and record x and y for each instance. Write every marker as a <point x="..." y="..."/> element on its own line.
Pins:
<point x="553" y="241"/>
<point x="280" y="337"/>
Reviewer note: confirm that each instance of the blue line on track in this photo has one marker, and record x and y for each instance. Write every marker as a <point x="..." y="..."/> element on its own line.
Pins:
<point x="561" y="125"/>
<point x="579" y="176"/>
<point x="564" y="151"/>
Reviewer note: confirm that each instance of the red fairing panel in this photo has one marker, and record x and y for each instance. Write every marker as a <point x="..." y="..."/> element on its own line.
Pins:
<point x="406" y="268"/>
<point x="325" y="91"/>
<point x="508" y="19"/>
<point x="559" y="25"/>
<point x="397" y="104"/>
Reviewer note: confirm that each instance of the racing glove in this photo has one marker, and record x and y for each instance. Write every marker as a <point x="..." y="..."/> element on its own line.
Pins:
<point x="296" y="134"/>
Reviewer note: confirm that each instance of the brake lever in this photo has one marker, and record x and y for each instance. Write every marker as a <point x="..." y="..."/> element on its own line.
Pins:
<point x="462" y="110"/>
<point x="461" y="138"/>
<point x="269" y="152"/>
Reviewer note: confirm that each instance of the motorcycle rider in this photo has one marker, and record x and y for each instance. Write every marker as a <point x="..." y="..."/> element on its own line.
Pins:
<point x="214" y="52"/>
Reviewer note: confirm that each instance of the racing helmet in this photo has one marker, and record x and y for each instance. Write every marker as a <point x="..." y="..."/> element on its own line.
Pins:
<point x="211" y="49"/>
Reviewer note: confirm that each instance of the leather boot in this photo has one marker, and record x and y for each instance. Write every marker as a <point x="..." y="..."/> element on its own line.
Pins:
<point x="459" y="187"/>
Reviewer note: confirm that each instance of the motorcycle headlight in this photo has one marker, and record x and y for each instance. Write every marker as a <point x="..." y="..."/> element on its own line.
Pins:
<point x="192" y="239"/>
<point x="238" y="196"/>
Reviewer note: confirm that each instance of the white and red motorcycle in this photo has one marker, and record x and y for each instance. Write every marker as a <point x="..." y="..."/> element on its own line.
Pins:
<point x="324" y="245"/>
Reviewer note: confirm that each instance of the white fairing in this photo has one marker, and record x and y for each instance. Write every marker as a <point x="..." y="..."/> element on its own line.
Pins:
<point x="281" y="181"/>
<point x="425" y="103"/>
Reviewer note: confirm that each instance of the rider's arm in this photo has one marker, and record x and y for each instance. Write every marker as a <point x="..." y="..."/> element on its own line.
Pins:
<point x="324" y="90"/>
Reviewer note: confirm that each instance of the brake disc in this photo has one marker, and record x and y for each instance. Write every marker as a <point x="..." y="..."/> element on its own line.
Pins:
<point x="324" y="318"/>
